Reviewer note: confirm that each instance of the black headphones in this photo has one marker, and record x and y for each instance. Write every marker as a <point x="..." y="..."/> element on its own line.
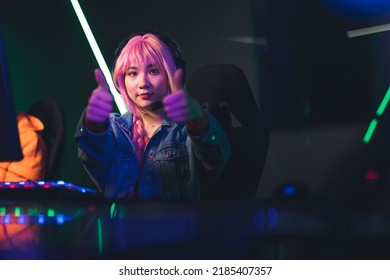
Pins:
<point x="172" y="45"/>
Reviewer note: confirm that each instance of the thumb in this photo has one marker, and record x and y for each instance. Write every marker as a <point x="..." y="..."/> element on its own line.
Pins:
<point x="176" y="83"/>
<point x="101" y="81"/>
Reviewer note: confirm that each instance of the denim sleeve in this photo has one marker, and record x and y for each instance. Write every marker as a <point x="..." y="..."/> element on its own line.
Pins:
<point x="212" y="148"/>
<point x="95" y="152"/>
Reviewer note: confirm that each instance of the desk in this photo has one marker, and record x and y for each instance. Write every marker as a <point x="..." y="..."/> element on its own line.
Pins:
<point x="97" y="229"/>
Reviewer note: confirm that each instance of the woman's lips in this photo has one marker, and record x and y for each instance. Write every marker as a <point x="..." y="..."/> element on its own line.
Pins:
<point x="145" y="95"/>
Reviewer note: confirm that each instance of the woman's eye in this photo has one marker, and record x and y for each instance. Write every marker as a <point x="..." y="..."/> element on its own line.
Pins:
<point x="131" y="73"/>
<point x="153" y="71"/>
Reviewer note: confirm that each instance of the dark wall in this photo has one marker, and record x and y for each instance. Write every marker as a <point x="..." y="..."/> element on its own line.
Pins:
<point x="320" y="91"/>
<point x="314" y="74"/>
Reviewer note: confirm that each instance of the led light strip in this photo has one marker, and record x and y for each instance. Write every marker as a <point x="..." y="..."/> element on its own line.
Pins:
<point x="45" y="185"/>
<point x="382" y="106"/>
<point x="248" y="40"/>
<point x="98" y="55"/>
<point x="368" y="30"/>
<point x="379" y="112"/>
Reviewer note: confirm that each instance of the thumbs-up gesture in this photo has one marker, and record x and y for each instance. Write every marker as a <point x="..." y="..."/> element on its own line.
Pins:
<point x="179" y="106"/>
<point x="100" y="103"/>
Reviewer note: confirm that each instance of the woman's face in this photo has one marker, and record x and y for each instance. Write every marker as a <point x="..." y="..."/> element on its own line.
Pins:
<point x="145" y="84"/>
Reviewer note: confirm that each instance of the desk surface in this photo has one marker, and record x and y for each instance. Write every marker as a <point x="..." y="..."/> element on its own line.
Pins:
<point x="258" y="229"/>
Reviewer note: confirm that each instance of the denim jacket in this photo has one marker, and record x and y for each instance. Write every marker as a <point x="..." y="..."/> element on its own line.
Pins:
<point x="175" y="164"/>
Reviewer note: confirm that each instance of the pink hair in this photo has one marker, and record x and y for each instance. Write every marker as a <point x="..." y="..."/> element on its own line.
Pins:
<point x="139" y="49"/>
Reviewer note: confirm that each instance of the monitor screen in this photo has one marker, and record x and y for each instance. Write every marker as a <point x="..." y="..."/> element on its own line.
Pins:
<point x="10" y="149"/>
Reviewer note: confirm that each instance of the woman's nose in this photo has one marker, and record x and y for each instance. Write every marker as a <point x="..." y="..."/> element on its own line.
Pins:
<point x="143" y="82"/>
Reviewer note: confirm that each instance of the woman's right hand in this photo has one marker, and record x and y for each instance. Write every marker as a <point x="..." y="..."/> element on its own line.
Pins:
<point x="100" y="104"/>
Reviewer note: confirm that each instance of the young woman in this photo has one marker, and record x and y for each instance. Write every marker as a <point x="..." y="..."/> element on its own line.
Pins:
<point x="169" y="152"/>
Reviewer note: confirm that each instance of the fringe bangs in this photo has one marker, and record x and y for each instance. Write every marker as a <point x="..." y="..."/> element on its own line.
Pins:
<point x="142" y="50"/>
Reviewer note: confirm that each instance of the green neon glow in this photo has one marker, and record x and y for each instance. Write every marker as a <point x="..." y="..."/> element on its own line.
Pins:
<point x="113" y="210"/>
<point x="370" y="131"/>
<point x="383" y="105"/>
<point x="379" y="112"/>
<point x="32" y="212"/>
<point x="100" y="236"/>
<point x="50" y="212"/>
<point x="2" y="211"/>
<point x="98" y="55"/>
<point x="307" y="109"/>
<point x="282" y="251"/>
<point x="17" y="211"/>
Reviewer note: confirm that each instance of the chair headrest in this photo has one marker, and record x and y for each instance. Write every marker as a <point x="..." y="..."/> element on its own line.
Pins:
<point x="224" y="85"/>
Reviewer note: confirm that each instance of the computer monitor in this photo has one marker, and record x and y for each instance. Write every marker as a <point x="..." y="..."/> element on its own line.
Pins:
<point x="10" y="149"/>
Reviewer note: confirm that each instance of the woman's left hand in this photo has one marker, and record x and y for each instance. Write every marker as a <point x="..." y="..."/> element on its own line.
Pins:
<point x="179" y="106"/>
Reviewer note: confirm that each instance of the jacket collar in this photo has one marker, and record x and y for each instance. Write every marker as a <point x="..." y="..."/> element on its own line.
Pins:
<point x="125" y="121"/>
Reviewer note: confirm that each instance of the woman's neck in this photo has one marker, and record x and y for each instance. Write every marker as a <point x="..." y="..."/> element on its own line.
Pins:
<point x="151" y="121"/>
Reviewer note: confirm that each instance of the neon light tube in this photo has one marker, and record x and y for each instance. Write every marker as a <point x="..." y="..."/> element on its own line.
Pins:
<point x="384" y="102"/>
<point x="98" y="55"/>
<point x="379" y="113"/>
<point x="368" y="30"/>
<point x="100" y="236"/>
<point x="370" y="131"/>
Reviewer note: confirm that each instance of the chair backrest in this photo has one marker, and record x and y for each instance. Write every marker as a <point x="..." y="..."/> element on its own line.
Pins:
<point x="51" y="113"/>
<point x="225" y="91"/>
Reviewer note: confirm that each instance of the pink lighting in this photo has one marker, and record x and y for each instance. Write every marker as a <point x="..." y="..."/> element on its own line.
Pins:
<point x="371" y="175"/>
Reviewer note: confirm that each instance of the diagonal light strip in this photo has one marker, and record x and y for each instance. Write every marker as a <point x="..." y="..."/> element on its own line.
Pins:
<point x="98" y="55"/>
<point x="368" y="30"/>
<point x="384" y="102"/>
<point x="370" y="131"/>
<point x="379" y="112"/>
<point x="248" y="40"/>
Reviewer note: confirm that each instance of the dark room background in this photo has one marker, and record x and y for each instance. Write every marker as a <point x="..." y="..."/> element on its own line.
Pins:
<point x="318" y="88"/>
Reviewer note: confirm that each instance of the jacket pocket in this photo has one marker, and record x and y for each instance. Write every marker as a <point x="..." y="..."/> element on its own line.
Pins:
<point x="123" y="174"/>
<point x="171" y="163"/>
